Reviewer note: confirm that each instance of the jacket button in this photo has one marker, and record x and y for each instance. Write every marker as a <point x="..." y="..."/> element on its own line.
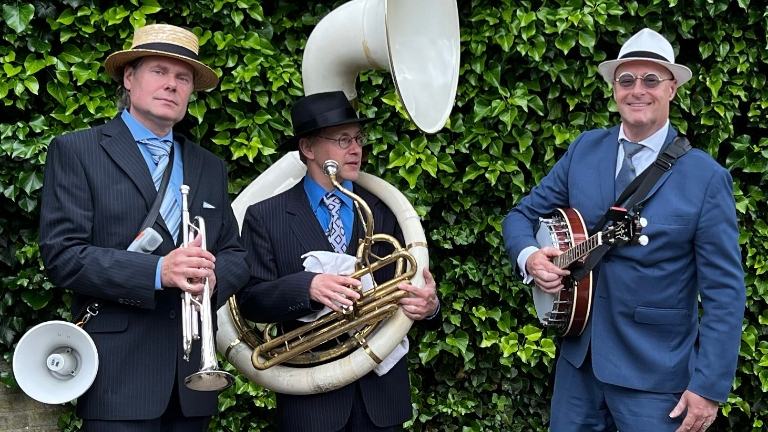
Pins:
<point x="138" y="302"/>
<point x="121" y="301"/>
<point x="172" y="315"/>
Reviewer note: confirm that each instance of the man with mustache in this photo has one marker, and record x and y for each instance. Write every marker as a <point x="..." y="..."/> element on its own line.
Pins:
<point x="314" y="216"/>
<point x="100" y="191"/>
<point x="645" y="361"/>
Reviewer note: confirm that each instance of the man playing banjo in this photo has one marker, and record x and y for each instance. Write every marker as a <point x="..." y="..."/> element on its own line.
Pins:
<point x="645" y="361"/>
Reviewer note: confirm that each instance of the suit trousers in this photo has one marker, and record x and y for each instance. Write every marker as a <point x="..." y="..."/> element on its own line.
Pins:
<point x="359" y="420"/>
<point x="172" y="420"/>
<point x="582" y="403"/>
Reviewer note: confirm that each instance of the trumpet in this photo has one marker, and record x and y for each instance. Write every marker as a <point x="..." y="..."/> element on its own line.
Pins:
<point x="199" y="325"/>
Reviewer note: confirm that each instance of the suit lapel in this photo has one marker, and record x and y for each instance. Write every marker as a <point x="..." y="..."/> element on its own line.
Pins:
<point x="192" y="161"/>
<point x="671" y="134"/>
<point x="607" y="158"/>
<point x="303" y="222"/>
<point x="119" y="144"/>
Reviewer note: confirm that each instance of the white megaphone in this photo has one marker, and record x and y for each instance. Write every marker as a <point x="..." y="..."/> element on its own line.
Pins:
<point x="55" y="362"/>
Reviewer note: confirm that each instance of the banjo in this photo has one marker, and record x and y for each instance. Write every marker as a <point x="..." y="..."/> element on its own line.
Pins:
<point x="567" y="310"/>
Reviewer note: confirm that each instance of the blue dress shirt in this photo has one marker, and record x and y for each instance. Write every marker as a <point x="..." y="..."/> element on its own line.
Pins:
<point x="315" y="194"/>
<point x="140" y="132"/>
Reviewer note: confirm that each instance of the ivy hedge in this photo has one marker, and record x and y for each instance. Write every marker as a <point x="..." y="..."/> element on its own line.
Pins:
<point x="528" y="86"/>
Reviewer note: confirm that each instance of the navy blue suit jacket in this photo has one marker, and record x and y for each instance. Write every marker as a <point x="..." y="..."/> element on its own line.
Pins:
<point x="276" y="233"/>
<point x="96" y="194"/>
<point x="645" y="332"/>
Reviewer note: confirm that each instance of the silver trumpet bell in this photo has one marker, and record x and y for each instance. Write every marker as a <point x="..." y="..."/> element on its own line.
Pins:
<point x="209" y="377"/>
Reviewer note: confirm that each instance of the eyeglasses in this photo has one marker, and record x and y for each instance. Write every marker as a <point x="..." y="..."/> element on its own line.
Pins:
<point x="650" y="80"/>
<point x="346" y="140"/>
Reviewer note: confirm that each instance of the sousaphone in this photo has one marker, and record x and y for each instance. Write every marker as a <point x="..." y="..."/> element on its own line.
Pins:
<point x="418" y="42"/>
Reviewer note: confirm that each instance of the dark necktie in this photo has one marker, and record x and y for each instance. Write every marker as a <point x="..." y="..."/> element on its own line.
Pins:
<point x="169" y="209"/>
<point x="335" y="231"/>
<point x="627" y="172"/>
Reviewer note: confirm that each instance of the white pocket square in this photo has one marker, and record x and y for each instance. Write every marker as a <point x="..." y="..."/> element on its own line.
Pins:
<point x="207" y="205"/>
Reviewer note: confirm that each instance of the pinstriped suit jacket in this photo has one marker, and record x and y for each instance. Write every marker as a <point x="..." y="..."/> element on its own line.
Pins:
<point x="276" y="232"/>
<point x="97" y="192"/>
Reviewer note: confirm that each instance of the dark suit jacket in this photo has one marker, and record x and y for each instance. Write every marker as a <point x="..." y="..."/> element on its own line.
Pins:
<point x="644" y="331"/>
<point x="96" y="194"/>
<point x="276" y="232"/>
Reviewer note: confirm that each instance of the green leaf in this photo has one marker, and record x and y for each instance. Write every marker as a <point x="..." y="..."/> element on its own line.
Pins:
<point x="37" y="299"/>
<point x="30" y="181"/>
<point x="18" y="16"/>
<point x="197" y="108"/>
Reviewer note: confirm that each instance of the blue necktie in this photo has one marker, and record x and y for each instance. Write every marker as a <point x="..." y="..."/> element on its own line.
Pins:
<point x="627" y="172"/>
<point x="169" y="209"/>
<point x="335" y="231"/>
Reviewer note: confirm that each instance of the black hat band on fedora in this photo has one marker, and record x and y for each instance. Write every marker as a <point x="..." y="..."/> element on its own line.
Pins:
<point x="328" y="118"/>
<point x="167" y="47"/>
<point x="645" y="54"/>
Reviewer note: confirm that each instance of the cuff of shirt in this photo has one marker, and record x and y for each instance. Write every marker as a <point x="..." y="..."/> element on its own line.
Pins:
<point x="521" y="260"/>
<point x="437" y="312"/>
<point x="158" y="285"/>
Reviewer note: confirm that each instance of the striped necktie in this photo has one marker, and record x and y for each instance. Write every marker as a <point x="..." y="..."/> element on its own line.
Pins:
<point x="335" y="231"/>
<point x="170" y="210"/>
<point x="627" y="172"/>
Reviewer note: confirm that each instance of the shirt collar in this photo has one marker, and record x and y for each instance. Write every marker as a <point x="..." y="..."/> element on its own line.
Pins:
<point x="139" y="131"/>
<point x="655" y="142"/>
<point x="315" y="192"/>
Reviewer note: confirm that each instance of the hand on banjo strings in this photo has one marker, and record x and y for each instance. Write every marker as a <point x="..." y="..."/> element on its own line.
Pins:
<point x="187" y="267"/>
<point x="546" y="275"/>
<point x="333" y="291"/>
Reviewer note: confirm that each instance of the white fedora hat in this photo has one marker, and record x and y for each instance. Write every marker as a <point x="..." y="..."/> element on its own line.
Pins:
<point x="167" y="41"/>
<point x="646" y="45"/>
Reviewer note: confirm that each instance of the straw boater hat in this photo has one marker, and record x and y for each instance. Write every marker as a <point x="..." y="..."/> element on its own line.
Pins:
<point x="318" y="111"/>
<point x="166" y="41"/>
<point x="650" y="46"/>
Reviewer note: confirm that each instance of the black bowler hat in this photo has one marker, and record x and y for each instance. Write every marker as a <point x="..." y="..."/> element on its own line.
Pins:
<point x="317" y="111"/>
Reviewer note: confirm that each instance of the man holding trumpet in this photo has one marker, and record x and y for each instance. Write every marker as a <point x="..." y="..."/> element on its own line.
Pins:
<point x="100" y="184"/>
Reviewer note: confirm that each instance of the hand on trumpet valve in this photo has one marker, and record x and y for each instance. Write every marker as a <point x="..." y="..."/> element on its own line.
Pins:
<point x="187" y="267"/>
<point x="422" y="302"/>
<point x="333" y="290"/>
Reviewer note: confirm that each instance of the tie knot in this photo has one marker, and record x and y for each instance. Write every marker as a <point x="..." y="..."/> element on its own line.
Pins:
<point x="631" y="148"/>
<point x="332" y="201"/>
<point x="158" y="148"/>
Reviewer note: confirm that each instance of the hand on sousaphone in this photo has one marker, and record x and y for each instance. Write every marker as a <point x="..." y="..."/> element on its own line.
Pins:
<point x="422" y="302"/>
<point x="332" y="290"/>
<point x="547" y="276"/>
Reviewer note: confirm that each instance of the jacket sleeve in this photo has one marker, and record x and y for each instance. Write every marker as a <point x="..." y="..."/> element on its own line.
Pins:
<point x="518" y="227"/>
<point x="720" y="279"/>
<point x="268" y="297"/>
<point x="231" y="266"/>
<point x="71" y="259"/>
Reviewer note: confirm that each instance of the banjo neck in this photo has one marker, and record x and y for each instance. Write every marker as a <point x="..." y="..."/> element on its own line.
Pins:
<point x="575" y="253"/>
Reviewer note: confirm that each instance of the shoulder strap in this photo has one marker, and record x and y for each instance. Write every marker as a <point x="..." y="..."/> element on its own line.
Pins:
<point x="643" y="183"/>
<point x="155" y="210"/>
